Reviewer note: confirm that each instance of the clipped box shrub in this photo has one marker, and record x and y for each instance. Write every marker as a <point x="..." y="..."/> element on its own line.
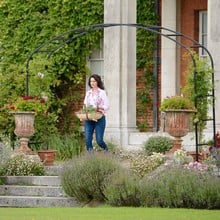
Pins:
<point x="158" y="144"/>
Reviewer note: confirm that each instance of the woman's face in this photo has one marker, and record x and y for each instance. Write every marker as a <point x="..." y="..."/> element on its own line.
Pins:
<point x="93" y="83"/>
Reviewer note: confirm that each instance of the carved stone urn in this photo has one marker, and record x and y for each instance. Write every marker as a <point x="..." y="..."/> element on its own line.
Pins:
<point x="24" y="129"/>
<point x="177" y="124"/>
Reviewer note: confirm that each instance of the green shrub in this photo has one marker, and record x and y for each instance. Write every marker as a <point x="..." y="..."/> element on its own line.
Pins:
<point x="23" y="165"/>
<point x="159" y="144"/>
<point x="181" y="188"/>
<point x="121" y="189"/>
<point x="67" y="146"/>
<point x="5" y="153"/>
<point x="83" y="177"/>
<point x="176" y="102"/>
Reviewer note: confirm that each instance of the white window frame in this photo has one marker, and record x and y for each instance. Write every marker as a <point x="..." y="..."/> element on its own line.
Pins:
<point x="203" y="28"/>
<point x="95" y="62"/>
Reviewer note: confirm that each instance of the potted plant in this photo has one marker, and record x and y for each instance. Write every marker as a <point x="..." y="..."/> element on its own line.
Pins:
<point x="176" y="103"/>
<point x="47" y="156"/>
<point x="24" y="110"/>
<point x="178" y="110"/>
<point x="29" y="104"/>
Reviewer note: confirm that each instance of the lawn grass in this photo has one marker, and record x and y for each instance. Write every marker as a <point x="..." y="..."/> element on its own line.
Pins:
<point x="107" y="213"/>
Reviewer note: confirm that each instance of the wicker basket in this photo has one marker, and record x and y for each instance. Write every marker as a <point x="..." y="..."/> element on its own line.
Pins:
<point x="94" y="116"/>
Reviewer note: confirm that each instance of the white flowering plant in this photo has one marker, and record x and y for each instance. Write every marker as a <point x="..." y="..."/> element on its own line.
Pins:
<point x="143" y="164"/>
<point x="23" y="165"/>
<point x="180" y="155"/>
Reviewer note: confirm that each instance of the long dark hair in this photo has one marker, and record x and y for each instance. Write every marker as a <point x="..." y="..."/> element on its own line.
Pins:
<point x="98" y="80"/>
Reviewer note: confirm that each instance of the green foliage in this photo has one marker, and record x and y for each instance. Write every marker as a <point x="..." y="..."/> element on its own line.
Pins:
<point x="203" y="80"/>
<point x="89" y="109"/>
<point x="144" y="97"/>
<point x="84" y="177"/>
<point x="5" y="153"/>
<point x="146" y="44"/>
<point x="159" y="144"/>
<point x="181" y="188"/>
<point x="23" y="165"/>
<point x="145" y="39"/>
<point x="26" y="25"/>
<point x="122" y="189"/>
<point x="45" y="127"/>
<point x="67" y="146"/>
<point x="30" y="104"/>
<point x="142" y="126"/>
<point x="177" y="102"/>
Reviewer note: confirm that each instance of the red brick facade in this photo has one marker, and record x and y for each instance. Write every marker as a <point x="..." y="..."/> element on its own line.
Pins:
<point x="189" y="25"/>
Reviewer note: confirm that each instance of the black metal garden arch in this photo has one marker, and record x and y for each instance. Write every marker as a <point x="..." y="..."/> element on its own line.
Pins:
<point x="60" y="40"/>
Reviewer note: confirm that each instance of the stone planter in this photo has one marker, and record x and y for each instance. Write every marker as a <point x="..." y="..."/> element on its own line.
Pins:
<point x="177" y="124"/>
<point x="24" y="129"/>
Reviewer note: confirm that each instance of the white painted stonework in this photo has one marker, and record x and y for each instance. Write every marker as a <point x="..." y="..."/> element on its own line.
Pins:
<point x="120" y="69"/>
<point x="214" y="48"/>
<point x="168" y="51"/>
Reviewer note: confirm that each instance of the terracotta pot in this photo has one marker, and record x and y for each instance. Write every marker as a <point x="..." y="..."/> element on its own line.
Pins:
<point x="177" y="124"/>
<point x="201" y="156"/>
<point x="24" y="129"/>
<point x="47" y="156"/>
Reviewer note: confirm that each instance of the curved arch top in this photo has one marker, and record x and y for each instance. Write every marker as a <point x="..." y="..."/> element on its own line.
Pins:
<point x="63" y="39"/>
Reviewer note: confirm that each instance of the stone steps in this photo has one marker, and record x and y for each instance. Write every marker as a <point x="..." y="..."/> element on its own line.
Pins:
<point x="37" y="201"/>
<point x="34" y="191"/>
<point x="16" y="190"/>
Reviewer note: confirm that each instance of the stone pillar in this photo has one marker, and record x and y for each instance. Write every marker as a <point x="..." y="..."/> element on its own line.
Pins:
<point x="120" y="70"/>
<point x="169" y="80"/>
<point x="214" y="48"/>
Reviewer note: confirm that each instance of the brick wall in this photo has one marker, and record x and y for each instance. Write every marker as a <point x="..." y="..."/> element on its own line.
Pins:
<point x="189" y="25"/>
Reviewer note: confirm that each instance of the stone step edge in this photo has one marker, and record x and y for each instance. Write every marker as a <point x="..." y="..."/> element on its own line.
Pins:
<point x="19" y="190"/>
<point x="32" y="180"/>
<point x="29" y="201"/>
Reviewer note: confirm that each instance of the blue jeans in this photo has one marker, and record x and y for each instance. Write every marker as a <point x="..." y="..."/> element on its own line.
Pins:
<point x="99" y="128"/>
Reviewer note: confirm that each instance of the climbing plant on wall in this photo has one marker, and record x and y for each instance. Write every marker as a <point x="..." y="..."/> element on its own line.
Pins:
<point x="146" y="43"/>
<point x="24" y="26"/>
<point x="27" y="24"/>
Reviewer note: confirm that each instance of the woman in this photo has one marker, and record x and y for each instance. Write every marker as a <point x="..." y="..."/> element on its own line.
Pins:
<point x="96" y="97"/>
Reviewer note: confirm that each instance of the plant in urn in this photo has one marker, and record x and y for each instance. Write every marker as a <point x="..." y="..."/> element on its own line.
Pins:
<point x="178" y="110"/>
<point x="24" y="110"/>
